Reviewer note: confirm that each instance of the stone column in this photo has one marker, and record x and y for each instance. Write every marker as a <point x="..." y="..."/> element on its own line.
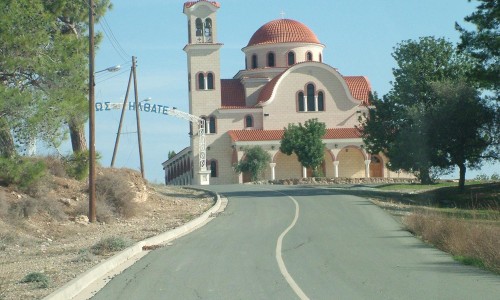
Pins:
<point x="336" y="168"/>
<point x="273" y="174"/>
<point x="304" y="172"/>
<point x="367" y="168"/>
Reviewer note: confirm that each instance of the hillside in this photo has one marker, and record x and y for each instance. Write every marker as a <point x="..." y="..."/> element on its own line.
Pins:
<point x="44" y="229"/>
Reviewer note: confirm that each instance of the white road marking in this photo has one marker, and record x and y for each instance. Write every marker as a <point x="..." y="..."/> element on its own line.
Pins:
<point x="281" y="264"/>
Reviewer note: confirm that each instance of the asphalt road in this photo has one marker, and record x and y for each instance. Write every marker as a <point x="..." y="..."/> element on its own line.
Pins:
<point x="299" y="242"/>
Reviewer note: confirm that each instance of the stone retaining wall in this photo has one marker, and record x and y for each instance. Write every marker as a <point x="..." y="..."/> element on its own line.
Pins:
<point x="327" y="181"/>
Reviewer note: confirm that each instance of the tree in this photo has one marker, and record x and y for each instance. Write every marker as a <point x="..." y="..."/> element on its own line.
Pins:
<point x="255" y="161"/>
<point x="306" y="142"/>
<point x="171" y="154"/>
<point x="483" y="44"/>
<point x="399" y="125"/>
<point x="459" y="120"/>
<point x="43" y="70"/>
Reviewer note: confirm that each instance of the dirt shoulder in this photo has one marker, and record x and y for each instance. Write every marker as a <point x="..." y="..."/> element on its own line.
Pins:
<point x="60" y="247"/>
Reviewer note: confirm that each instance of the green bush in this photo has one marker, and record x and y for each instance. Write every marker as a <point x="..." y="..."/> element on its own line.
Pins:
<point x="21" y="171"/>
<point x="108" y="245"/>
<point x="77" y="165"/>
<point x="40" y="278"/>
<point x="481" y="177"/>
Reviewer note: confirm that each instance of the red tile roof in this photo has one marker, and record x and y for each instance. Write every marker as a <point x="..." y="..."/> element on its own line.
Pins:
<point x="191" y="3"/>
<point x="283" y="31"/>
<point x="274" y="135"/>
<point x="232" y="93"/>
<point x="267" y="90"/>
<point x="360" y="88"/>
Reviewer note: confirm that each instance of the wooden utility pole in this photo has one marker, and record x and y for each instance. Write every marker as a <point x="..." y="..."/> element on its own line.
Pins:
<point x="133" y="74"/>
<point x="139" y="140"/>
<point x="92" y="156"/>
<point x="117" y="141"/>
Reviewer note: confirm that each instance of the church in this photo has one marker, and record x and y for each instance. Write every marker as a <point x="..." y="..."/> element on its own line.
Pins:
<point x="284" y="81"/>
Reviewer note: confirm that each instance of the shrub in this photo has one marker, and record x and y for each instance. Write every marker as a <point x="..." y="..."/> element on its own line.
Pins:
<point x="110" y="244"/>
<point x="21" y="171"/>
<point x="40" y="278"/>
<point x="84" y="255"/>
<point x="104" y="212"/>
<point x="495" y="177"/>
<point x="55" y="166"/>
<point x="28" y="207"/>
<point x="77" y="164"/>
<point x="114" y="189"/>
<point x="481" y="177"/>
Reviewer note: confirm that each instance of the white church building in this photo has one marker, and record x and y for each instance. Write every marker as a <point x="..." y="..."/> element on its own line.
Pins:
<point x="284" y="81"/>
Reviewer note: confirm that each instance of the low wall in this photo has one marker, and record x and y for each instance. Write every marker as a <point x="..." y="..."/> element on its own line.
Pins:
<point x="327" y="181"/>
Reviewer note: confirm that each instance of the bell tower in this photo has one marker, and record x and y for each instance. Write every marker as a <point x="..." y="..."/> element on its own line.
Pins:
<point x="203" y="62"/>
<point x="203" y="57"/>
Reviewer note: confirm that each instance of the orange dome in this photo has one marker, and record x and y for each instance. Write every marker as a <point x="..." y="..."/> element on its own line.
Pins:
<point x="283" y="31"/>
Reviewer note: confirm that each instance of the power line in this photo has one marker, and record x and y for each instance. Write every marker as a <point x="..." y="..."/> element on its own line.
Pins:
<point x="108" y="32"/>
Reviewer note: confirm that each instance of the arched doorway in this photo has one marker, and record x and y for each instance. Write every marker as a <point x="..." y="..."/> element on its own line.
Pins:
<point x="376" y="166"/>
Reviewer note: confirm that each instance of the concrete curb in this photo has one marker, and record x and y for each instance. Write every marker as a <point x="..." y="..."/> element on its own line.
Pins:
<point x="77" y="285"/>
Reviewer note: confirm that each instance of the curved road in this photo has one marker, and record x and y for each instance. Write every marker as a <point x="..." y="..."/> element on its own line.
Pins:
<point x="299" y="242"/>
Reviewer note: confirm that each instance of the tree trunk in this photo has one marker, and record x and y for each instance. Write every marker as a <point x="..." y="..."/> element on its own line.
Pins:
<point x="7" y="147"/>
<point x="461" y="181"/>
<point x="77" y="134"/>
<point x="425" y="177"/>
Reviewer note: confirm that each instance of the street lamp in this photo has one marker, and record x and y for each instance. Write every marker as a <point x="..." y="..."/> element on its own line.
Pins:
<point x="110" y="69"/>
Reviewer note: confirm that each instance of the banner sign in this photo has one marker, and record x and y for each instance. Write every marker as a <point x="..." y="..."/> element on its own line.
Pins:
<point x="147" y="107"/>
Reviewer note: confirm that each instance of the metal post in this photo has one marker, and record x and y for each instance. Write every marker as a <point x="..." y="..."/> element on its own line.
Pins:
<point x="121" y="119"/>
<point x="137" y="115"/>
<point x="92" y="156"/>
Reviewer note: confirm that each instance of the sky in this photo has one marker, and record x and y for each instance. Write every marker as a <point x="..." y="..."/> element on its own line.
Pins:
<point x="359" y="36"/>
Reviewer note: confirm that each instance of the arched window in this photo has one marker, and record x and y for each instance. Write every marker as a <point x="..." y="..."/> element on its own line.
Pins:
<point x="211" y="127"/>
<point x="301" y="102"/>
<point x="210" y="81"/>
<point x="199" y="27"/>
<point x="321" y="101"/>
<point x="208" y="27"/>
<point x="254" y="61"/>
<point x="310" y="98"/>
<point x="291" y="58"/>
<point x="320" y="58"/>
<point x="189" y="82"/>
<point x="201" y="81"/>
<point x="213" y="168"/>
<point x="248" y="121"/>
<point x="270" y="59"/>
<point x="309" y="56"/>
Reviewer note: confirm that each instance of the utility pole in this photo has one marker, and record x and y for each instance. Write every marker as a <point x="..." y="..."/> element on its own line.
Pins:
<point x="133" y="74"/>
<point x="122" y="116"/>
<point x="138" y="120"/>
<point x="92" y="156"/>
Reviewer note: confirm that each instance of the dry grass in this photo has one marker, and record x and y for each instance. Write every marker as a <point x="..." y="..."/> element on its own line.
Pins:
<point x="471" y="241"/>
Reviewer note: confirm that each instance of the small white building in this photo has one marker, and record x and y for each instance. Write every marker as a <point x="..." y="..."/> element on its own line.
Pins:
<point x="284" y="81"/>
